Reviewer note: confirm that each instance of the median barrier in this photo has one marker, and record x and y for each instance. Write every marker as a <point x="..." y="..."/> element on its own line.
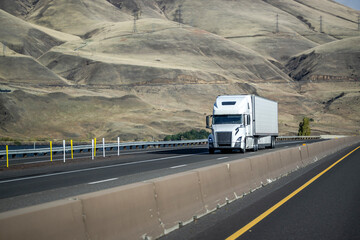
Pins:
<point x="178" y="198"/>
<point x="240" y="175"/>
<point x="259" y="171"/>
<point x="304" y="155"/>
<point x="215" y="186"/>
<point x="275" y="167"/>
<point x="60" y="220"/>
<point x="288" y="165"/>
<point x="126" y="212"/>
<point x="315" y="151"/>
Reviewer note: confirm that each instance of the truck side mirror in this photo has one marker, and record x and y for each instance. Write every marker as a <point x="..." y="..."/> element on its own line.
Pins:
<point x="208" y="121"/>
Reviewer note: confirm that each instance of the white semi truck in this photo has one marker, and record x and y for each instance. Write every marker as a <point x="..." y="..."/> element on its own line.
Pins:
<point x="242" y="122"/>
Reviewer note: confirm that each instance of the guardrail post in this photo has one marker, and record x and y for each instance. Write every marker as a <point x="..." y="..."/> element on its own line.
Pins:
<point x="118" y="146"/>
<point x="50" y="151"/>
<point x="72" y="150"/>
<point x="64" y="150"/>
<point x="92" y="149"/>
<point x="103" y="147"/>
<point x="7" y="156"/>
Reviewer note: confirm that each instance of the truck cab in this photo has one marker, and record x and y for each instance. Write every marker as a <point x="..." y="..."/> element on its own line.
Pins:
<point x="242" y="122"/>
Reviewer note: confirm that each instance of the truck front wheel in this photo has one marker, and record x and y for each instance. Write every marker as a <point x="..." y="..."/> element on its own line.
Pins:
<point x="243" y="150"/>
<point x="211" y="151"/>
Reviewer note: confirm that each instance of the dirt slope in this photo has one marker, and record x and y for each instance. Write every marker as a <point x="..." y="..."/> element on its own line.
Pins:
<point x="82" y="69"/>
<point x="322" y="63"/>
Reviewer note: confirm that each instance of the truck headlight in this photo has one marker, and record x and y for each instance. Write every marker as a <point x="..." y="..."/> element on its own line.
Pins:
<point x="238" y="143"/>
<point x="210" y="140"/>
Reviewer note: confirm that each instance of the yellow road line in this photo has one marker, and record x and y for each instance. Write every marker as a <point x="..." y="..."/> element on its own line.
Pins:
<point x="276" y="206"/>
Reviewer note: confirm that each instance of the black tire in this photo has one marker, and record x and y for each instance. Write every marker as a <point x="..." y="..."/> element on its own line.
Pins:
<point x="243" y="150"/>
<point x="211" y="151"/>
<point x="256" y="144"/>
<point x="273" y="142"/>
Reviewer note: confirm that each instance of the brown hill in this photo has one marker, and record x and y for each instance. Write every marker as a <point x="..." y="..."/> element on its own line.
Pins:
<point x="165" y="54"/>
<point x="92" y="70"/>
<point x="322" y="63"/>
<point x="253" y="23"/>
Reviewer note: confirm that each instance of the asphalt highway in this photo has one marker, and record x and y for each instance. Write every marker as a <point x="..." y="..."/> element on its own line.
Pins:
<point x="28" y="186"/>
<point x="326" y="208"/>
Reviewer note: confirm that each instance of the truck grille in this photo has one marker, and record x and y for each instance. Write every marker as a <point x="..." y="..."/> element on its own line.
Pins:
<point x="224" y="139"/>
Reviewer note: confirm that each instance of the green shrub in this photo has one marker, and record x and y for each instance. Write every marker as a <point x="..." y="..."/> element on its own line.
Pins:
<point x="189" y="135"/>
<point x="304" y="127"/>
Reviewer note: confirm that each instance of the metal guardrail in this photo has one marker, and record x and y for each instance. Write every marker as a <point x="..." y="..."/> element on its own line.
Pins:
<point x="111" y="146"/>
<point x="284" y="138"/>
<point x="130" y="145"/>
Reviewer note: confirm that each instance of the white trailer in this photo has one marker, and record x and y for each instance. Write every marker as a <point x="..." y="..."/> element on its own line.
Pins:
<point x="242" y="122"/>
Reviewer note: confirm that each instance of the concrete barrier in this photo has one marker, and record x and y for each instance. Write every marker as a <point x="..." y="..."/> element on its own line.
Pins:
<point x="216" y="186"/>
<point x="127" y="212"/>
<point x="240" y="175"/>
<point x="56" y="220"/>
<point x="259" y="171"/>
<point x="288" y="165"/>
<point x="153" y="208"/>
<point x="304" y="154"/>
<point x="316" y="151"/>
<point x="275" y="167"/>
<point x="179" y="199"/>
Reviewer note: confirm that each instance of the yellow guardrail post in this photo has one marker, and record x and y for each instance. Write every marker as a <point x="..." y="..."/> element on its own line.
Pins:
<point x="7" y="156"/>
<point x="94" y="147"/>
<point x="72" y="150"/>
<point x="51" y="151"/>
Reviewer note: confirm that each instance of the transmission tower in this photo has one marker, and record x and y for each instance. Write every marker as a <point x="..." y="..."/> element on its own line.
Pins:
<point x="277" y="23"/>
<point x="178" y="15"/>
<point x="321" y="24"/>
<point x="136" y="17"/>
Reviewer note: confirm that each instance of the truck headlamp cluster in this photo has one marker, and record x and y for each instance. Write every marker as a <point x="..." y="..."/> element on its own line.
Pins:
<point x="238" y="143"/>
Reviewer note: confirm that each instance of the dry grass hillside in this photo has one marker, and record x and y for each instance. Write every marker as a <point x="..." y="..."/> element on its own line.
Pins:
<point x="82" y="69"/>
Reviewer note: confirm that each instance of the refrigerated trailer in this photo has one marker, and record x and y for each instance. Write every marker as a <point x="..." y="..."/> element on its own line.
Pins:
<point x="242" y="122"/>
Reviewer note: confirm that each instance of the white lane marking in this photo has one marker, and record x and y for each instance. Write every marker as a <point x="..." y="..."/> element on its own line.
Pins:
<point x="222" y="158"/>
<point x="97" y="168"/>
<point x="184" y="165"/>
<point x="102" y="181"/>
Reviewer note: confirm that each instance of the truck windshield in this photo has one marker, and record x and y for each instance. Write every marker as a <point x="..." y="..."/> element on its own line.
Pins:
<point x="227" y="119"/>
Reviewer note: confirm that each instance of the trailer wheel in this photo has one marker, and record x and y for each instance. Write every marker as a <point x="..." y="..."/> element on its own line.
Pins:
<point x="256" y="144"/>
<point x="273" y="142"/>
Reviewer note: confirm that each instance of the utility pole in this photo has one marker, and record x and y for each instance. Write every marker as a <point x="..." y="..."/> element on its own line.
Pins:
<point x="321" y="27"/>
<point x="358" y="22"/>
<point x="277" y="23"/>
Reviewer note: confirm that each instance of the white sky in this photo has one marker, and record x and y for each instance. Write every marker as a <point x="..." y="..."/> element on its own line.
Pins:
<point x="355" y="4"/>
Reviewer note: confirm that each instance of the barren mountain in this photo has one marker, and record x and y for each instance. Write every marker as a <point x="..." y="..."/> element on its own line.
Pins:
<point x="322" y="63"/>
<point x="142" y="69"/>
